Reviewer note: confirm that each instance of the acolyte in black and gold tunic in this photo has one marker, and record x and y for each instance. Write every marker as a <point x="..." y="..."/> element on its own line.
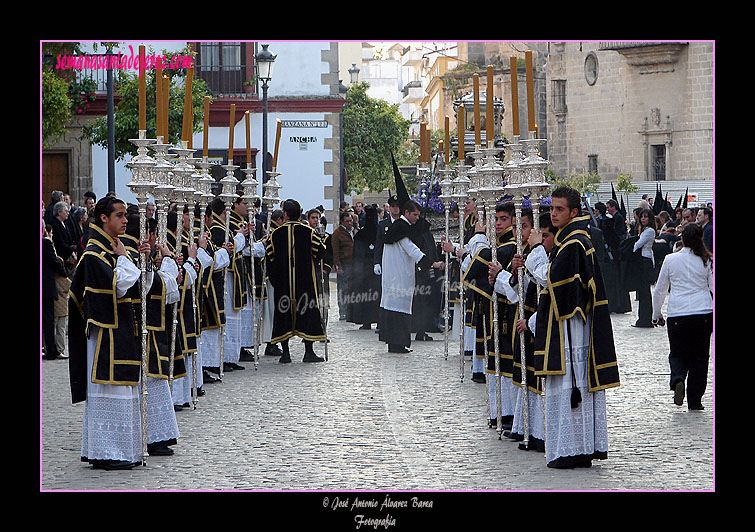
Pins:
<point x="530" y="306"/>
<point x="476" y="280"/>
<point x="159" y="321"/>
<point x="240" y="265"/>
<point x="575" y="287"/>
<point x="93" y="301"/>
<point x="293" y="249"/>
<point x="213" y="281"/>
<point x="188" y="310"/>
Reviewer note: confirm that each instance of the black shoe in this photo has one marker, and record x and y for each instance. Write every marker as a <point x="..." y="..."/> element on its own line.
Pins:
<point x="186" y="405"/>
<point x="213" y="369"/>
<point x="467" y="353"/>
<point x="423" y="337"/>
<point x="207" y="378"/>
<point x="159" y="450"/>
<point x="246" y="355"/>
<point x="679" y="393"/>
<point x="200" y="392"/>
<point x="311" y="357"/>
<point x="398" y="349"/>
<point x="177" y="408"/>
<point x="272" y="350"/>
<point x="698" y="407"/>
<point x="643" y="325"/>
<point x="478" y="377"/>
<point x="366" y="327"/>
<point x="113" y="465"/>
<point x="285" y="358"/>
<point x="232" y="366"/>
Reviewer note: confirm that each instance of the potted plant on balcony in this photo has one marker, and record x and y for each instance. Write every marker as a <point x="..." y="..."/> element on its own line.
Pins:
<point x="250" y="85"/>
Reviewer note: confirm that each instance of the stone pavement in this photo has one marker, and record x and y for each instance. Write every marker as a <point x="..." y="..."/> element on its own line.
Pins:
<point x="374" y="421"/>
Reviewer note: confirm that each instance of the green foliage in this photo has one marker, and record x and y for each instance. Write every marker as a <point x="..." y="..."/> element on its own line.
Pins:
<point x="56" y="108"/>
<point x="372" y="129"/>
<point x="624" y="184"/>
<point x="81" y="93"/>
<point x="126" y="118"/>
<point x="585" y="182"/>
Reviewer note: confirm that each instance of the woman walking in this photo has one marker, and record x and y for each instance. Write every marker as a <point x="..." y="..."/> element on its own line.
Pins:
<point x="646" y="232"/>
<point x="688" y="274"/>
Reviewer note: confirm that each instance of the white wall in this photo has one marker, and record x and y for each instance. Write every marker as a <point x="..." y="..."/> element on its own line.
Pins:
<point x="297" y="73"/>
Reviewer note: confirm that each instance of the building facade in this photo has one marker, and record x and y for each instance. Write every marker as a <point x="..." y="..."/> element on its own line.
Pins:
<point x="304" y="93"/>
<point x="639" y="108"/>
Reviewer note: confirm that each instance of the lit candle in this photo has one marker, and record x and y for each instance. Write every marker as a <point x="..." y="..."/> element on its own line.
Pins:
<point x="447" y="144"/>
<point x="422" y="146"/>
<point x="476" y="79"/>
<point x="277" y="143"/>
<point x="248" y="140"/>
<point x="460" y="132"/>
<point x="186" y="129"/>
<point x="142" y="91"/>
<point x="429" y="143"/>
<point x="166" y="109"/>
<point x="489" y="134"/>
<point x="159" y="102"/>
<point x="514" y="95"/>
<point x="230" y="133"/>
<point x="530" y="92"/>
<point x="206" y="126"/>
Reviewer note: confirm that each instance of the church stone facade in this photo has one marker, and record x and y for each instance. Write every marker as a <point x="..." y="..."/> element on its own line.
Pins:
<point x="641" y="108"/>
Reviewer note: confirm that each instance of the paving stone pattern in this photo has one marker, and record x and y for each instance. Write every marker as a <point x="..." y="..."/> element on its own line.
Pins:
<point x="370" y="420"/>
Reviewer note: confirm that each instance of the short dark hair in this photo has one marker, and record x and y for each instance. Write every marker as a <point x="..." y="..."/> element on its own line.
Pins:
<point x="277" y="214"/>
<point x="545" y="222"/>
<point x="527" y="213"/>
<point x="344" y="214"/>
<point x="506" y="206"/>
<point x="613" y="203"/>
<point x="292" y="208"/>
<point x="171" y="221"/>
<point x="571" y="195"/>
<point x="217" y="205"/>
<point x="105" y="206"/>
<point x="312" y="211"/>
<point x="411" y="206"/>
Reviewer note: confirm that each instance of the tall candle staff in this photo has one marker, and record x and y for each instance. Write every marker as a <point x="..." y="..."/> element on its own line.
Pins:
<point x="446" y="195"/>
<point x="227" y="194"/>
<point x="142" y="185"/>
<point x="249" y="186"/>
<point x="461" y="186"/>
<point x="491" y="190"/>
<point x="270" y="198"/>
<point x="182" y="194"/>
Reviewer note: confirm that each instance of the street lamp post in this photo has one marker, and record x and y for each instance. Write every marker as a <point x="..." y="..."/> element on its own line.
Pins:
<point x="264" y="61"/>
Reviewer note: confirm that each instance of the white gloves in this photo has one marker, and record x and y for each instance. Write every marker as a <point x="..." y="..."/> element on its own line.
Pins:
<point x="377" y="269"/>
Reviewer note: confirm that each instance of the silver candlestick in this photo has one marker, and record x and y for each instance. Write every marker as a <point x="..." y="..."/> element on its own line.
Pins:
<point x="446" y="195"/>
<point x="142" y="185"/>
<point x="461" y="186"/>
<point x="249" y="187"/>
<point x="228" y="195"/>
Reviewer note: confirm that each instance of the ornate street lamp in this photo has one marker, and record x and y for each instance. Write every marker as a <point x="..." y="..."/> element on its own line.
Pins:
<point x="265" y="60"/>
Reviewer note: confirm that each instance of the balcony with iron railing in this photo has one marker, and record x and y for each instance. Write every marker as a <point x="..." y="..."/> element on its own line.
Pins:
<point x="235" y="80"/>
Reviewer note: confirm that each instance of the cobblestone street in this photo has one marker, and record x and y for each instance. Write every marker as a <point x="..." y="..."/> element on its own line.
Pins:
<point x="374" y="421"/>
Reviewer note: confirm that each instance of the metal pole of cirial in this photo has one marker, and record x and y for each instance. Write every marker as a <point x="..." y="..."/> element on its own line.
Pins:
<point x="520" y="287"/>
<point x="492" y="238"/>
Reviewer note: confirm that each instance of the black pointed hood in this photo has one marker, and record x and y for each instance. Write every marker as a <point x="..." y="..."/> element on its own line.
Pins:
<point x="401" y="192"/>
